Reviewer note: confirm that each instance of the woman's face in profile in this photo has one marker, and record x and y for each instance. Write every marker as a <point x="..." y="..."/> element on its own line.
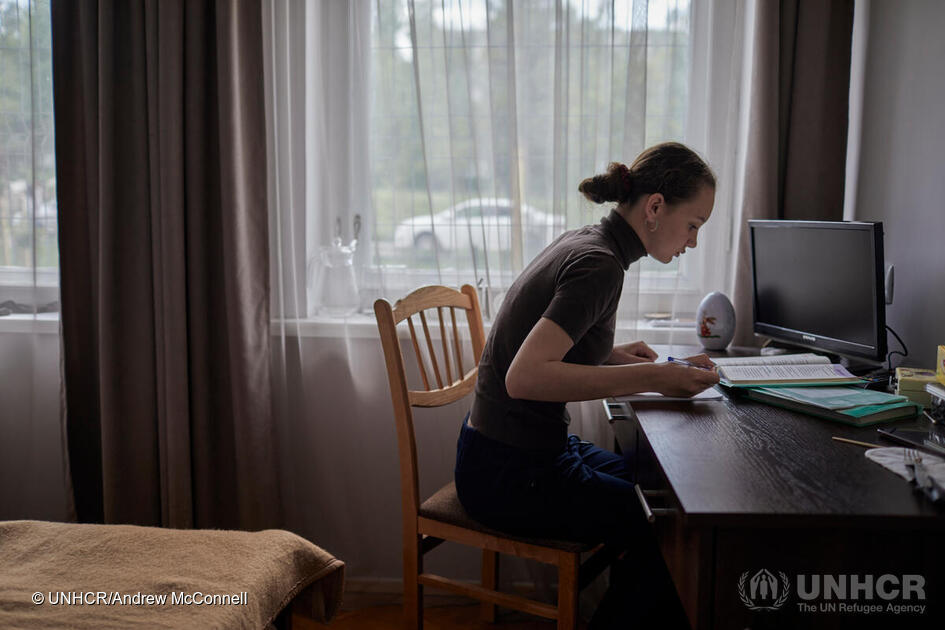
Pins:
<point x="679" y="225"/>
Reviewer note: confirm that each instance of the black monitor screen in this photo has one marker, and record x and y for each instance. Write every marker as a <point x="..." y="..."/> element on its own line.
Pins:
<point x="818" y="284"/>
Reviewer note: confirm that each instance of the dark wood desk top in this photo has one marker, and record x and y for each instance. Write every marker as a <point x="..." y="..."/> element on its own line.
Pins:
<point x="737" y="461"/>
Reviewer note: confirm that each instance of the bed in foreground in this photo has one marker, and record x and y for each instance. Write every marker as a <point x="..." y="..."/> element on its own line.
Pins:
<point x="56" y="575"/>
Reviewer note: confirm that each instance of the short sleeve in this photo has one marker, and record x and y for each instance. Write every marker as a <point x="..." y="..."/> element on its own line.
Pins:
<point x="585" y="290"/>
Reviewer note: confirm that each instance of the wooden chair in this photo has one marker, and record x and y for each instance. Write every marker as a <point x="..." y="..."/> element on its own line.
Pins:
<point x="441" y="517"/>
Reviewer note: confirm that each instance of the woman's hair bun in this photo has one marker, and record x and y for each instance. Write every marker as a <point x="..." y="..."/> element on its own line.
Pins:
<point x="614" y="185"/>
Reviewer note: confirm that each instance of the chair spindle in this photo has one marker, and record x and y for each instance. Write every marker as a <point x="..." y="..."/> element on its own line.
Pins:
<point x="416" y="349"/>
<point x="459" y="354"/>
<point x="446" y="348"/>
<point x="436" y="367"/>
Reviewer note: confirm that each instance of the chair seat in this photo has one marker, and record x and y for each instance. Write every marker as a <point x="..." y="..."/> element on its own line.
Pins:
<point x="444" y="506"/>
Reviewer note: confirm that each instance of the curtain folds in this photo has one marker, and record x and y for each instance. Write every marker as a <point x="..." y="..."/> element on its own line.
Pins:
<point x="317" y="79"/>
<point x="815" y="47"/>
<point x="796" y="143"/>
<point x="161" y="167"/>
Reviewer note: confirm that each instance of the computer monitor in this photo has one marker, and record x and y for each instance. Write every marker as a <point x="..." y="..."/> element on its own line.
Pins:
<point x="819" y="285"/>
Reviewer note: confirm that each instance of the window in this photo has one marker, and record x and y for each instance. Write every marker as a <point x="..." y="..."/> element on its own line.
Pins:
<point x="478" y="119"/>
<point x="29" y="256"/>
<point x="513" y="103"/>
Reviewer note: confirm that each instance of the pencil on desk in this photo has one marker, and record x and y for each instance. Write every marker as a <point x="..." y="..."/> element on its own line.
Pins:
<point x="857" y="442"/>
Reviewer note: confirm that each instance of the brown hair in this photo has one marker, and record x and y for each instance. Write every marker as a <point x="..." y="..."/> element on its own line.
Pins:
<point x="670" y="168"/>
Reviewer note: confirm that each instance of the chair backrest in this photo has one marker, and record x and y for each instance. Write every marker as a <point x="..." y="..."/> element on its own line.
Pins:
<point x="455" y="386"/>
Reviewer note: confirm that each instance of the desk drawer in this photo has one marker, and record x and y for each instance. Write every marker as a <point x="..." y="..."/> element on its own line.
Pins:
<point x="684" y="549"/>
<point x="644" y="469"/>
<point x="631" y="442"/>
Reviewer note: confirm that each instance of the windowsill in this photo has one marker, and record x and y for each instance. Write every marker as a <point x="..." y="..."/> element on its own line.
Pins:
<point x="363" y="326"/>
<point x="42" y="323"/>
<point x="359" y="326"/>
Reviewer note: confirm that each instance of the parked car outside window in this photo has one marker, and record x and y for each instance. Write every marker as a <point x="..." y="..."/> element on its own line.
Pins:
<point x="485" y="224"/>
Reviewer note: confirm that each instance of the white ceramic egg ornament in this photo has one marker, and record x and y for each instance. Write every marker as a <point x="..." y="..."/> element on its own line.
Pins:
<point x="715" y="321"/>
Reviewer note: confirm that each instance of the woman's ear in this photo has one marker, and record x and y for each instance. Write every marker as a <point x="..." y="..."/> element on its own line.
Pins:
<point x="654" y="204"/>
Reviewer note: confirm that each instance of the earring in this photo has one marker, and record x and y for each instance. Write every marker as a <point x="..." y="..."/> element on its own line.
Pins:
<point x="652" y="227"/>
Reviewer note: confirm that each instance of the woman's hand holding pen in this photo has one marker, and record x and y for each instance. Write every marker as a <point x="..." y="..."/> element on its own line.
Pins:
<point x="678" y="379"/>
<point x="697" y="360"/>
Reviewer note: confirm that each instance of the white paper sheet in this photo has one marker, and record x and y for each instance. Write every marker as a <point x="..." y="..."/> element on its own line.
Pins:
<point x="708" y="394"/>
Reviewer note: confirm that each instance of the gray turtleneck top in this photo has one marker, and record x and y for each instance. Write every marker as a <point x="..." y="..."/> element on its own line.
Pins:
<point x="575" y="282"/>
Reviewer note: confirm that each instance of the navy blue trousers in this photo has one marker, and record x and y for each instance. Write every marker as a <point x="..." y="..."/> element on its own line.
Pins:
<point x="580" y="492"/>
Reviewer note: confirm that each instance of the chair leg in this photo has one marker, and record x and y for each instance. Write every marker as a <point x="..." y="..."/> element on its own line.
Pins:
<point x="490" y="580"/>
<point x="413" y="590"/>
<point x="568" y="566"/>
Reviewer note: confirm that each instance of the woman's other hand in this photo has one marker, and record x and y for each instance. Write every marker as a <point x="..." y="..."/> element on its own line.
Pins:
<point x="680" y="380"/>
<point x="635" y="352"/>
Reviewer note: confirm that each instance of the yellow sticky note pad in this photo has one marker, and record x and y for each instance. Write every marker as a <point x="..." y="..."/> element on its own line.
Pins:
<point x="910" y="382"/>
<point x="914" y="379"/>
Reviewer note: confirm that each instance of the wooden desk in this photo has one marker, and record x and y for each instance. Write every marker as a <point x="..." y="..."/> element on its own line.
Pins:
<point x="739" y="486"/>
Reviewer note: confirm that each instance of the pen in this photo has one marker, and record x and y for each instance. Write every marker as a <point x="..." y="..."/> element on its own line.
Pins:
<point x="688" y="364"/>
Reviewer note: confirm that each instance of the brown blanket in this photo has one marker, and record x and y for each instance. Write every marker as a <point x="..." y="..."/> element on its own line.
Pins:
<point x="65" y="575"/>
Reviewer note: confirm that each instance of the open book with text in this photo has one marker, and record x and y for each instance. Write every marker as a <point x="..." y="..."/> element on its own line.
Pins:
<point x="782" y="370"/>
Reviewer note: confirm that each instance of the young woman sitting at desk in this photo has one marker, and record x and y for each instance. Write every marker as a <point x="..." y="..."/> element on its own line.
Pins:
<point x="517" y="469"/>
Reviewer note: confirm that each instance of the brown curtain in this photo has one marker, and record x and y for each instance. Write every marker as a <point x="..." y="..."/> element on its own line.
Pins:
<point x="161" y="168"/>
<point x="797" y="136"/>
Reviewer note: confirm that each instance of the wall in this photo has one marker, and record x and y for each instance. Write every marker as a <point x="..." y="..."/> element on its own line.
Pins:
<point x="901" y="179"/>
<point x="32" y="476"/>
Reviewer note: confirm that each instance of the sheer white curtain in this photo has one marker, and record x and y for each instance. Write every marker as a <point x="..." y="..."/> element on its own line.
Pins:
<point x="338" y="455"/>
<point x="32" y="479"/>
<point x="459" y="130"/>
<point x="486" y="115"/>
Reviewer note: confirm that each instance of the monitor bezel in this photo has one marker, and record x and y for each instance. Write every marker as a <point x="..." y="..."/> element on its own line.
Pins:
<point x="806" y="339"/>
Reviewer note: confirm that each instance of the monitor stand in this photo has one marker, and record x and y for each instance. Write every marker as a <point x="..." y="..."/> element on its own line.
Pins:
<point x="860" y="367"/>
